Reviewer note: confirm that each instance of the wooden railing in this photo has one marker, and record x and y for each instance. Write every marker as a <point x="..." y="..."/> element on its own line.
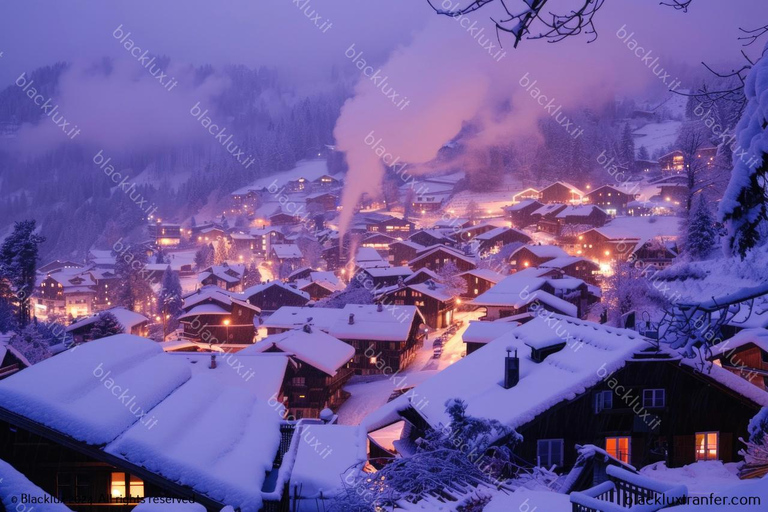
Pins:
<point x="627" y="491"/>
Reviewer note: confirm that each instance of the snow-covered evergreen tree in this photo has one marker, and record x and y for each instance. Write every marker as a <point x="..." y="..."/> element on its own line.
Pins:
<point x="756" y="452"/>
<point x="251" y="276"/>
<point x="32" y="343"/>
<point x="356" y="292"/>
<point x="743" y="207"/>
<point x="106" y="325"/>
<point x="222" y="252"/>
<point x="642" y="153"/>
<point x="169" y="302"/>
<point x="627" y="151"/>
<point x="18" y="265"/>
<point x="133" y="289"/>
<point x="448" y="276"/>
<point x="204" y="257"/>
<point x="701" y="237"/>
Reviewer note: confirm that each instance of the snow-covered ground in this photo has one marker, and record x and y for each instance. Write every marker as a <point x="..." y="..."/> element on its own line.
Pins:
<point x="657" y="136"/>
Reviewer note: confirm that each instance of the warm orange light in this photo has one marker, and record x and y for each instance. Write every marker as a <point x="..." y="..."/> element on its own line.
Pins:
<point x="526" y="264"/>
<point x="226" y="322"/>
<point x="607" y="253"/>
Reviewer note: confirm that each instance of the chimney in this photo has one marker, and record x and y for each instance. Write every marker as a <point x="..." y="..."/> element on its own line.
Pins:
<point x="511" y="369"/>
<point x="351" y="318"/>
<point x="213" y="362"/>
<point x="307" y="329"/>
<point x="379" y="307"/>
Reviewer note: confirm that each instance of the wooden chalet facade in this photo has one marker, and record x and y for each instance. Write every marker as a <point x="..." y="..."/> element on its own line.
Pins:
<point x="479" y="281"/>
<point x="391" y="226"/>
<point x="428" y="237"/>
<point x="492" y="241"/>
<point x="521" y="214"/>
<point x="534" y="255"/>
<point x="274" y="294"/>
<point x="434" y="259"/>
<point x="215" y="317"/>
<point x="610" y="199"/>
<point x="601" y="247"/>
<point x="403" y="251"/>
<point x="435" y="304"/>
<point x="575" y="266"/>
<point x="324" y="200"/>
<point x="561" y="192"/>
<point x="745" y="355"/>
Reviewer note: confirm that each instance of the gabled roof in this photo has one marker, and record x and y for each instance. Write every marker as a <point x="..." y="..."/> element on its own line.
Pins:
<point x="128" y="319"/>
<point x="522" y="205"/>
<point x="259" y="288"/>
<point x="392" y="323"/>
<point x="388" y="271"/>
<point x="437" y="291"/>
<point x="485" y="273"/>
<point x="584" y="210"/>
<point x="442" y="248"/>
<point x="408" y="243"/>
<point x="287" y="251"/>
<point x="543" y="251"/>
<point x="424" y="271"/>
<point x="229" y="467"/>
<point x="316" y="348"/>
<point x="572" y="188"/>
<point x="488" y="235"/>
<point x="291" y="317"/>
<point x="755" y="336"/>
<point x="566" y="261"/>
<point x="484" y="332"/>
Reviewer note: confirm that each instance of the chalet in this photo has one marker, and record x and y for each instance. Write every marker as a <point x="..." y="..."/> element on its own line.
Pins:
<point x="427" y="237"/>
<point x="479" y="333"/>
<point x="288" y="318"/>
<point x="212" y="315"/>
<point x="282" y="218"/>
<point x="224" y="276"/>
<point x="469" y="233"/>
<point x="611" y="389"/>
<point x="381" y="277"/>
<point x="745" y="355"/>
<point x="322" y="366"/>
<point x="11" y="361"/>
<point x="452" y="224"/>
<point x="421" y="276"/>
<point x="130" y="321"/>
<point x="561" y="192"/>
<point x="100" y="259"/>
<point x="324" y="200"/>
<point x="299" y="273"/>
<point x="326" y="181"/>
<point x="385" y="339"/>
<point x="286" y="254"/>
<point x="389" y="225"/>
<point x="321" y="284"/>
<point x="521" y="214"/>
<point x="435" y="303"/>
<point x="164" y="233"/>
<point x="480" y="280"/>
<point x="610" y="199"/>
<point x="428" y="203"/>
<point x="365" y="257"/>
<point x="546" y="218"/>
<point x="57" y="265"/>
<point x="242" y="244"/>
<point x="73" y="292"/>
<point x="525" y="195"/>
<point x="536" y="288"/>
<point x="654" y="253"/>
<point x="673" y="194"/>
<point x="379" y="242"/>
<point x="675" y="161"/>
<point x="604" y="246"/>
<point x="534" y="256"/>
<point x="209" y="234"/>
<point x="582" y="215"/>
<point x="576" y="266"/>
<point x="263" y="238"/>
<point x="246" y="197"/>
<point x="97" y="448"/>
<point x="492" y="241"/>
<point x="403" y="251"/>
<point x="271" y="295"/>
<point x="435" y="259"/>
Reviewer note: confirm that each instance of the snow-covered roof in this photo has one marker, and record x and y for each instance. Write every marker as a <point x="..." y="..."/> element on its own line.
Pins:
<point x="392" y="323"/>
<point x="389" y="271"/>
<point x="643" y="228"/>
<point x="368" y="255"/>
<point x="128" y="319"/>
<point x="444" y="248"/>
<point x="756" y="336"/>
<point x="13" y="484"/>
<point x="523" y="288"/>
<point x="484" y="332"/>
<point x="287" y="251"/>
<point x="567" y="185"/>
<point x="422" y="271"/>
<point x="584" y="210"/>
<point x="316" y="348"/>
<point x="241" y="431"/>
<point x="488" y="235"/>
<point x="320" y="470"/>
<point x="408" y="243"/>
<point x="204" y="309"/>
<point x="521" y="205"/>
<point x="485" y="273"/>
<point x="249" y="292"/>
<point x="477" y="379"/>
<point x="565" y="261"/>
<point x="548" y="208"/>
<point x="544" y="251"/>
<point x="436" y="292"/>
<point x="291" y="317"/>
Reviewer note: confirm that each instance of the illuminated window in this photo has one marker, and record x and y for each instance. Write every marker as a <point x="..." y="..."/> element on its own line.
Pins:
<point x="118" y="487"/>
<point x="707" y="445"/>
<point x="618" y="448"/>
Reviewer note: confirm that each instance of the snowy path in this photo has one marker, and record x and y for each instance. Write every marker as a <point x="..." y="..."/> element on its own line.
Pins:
<point x="371" y="392"/>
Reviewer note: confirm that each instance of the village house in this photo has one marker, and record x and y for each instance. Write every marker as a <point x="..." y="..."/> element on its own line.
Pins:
<point x="575" y="266"/>
<point x="224" y="276"/>
<point x="604" y="246"/>
<point x="321" y="366"/>
<point x="469" y="233"/>
<point x="289" y="318"/>
<point x="534" y="256"/>
<point x="403" y="251"/>
<point x="394" y="226"/>
<point x="242" y="244"/>
<point x="73" y="292"/>
<point x="379" y="242"/>
<point x="428" y="237"/>
<point x="746" y="355"/>
<point x="428" y="203"/>
<point x="208" y="234"/>
<point x="479" y="333"/>
<point x="656" y="253"/>
<point x="326" y="181"/>
<point x="434" y="301"/>
<point x="381" y="277"/>
<point x="385" y="339"/>
<point x="525" y="195"/>
<point x="674" y="162"/>
<point x="492" y="241"/>
<point x="610" y="199"/>
<point x="164" y="234"/>
<point x="480" y="280"/>
<point x="435" y="258"/>
<point x="215" y="316"/>
<point x="521" y="214"/>
<point x="582" y="215"/>
<point x="546" y="218"/>
<point x="288" y="255"/>
<point x="321" y="284"/>
<point x="130" y="321"/>
<point x="598" y="386"/>
<point x="325" y="201"/>
<point x="561" y="192"/>
<point x="272" y="295"/>
<point x="263" y="238"/>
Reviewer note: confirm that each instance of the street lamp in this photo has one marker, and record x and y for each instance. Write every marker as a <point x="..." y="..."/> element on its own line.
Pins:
<point x="226" y="324"/>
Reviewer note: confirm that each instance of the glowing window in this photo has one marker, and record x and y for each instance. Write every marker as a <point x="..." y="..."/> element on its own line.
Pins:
<point x="707" y="445"/>
<point x="618" y="448"/>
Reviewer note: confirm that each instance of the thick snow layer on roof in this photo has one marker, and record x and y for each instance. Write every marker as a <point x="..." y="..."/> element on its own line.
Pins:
<point x="519" y="206"/>
<point x="488" y="235"/>
<point x="316" y="348"/>
<point x="322" y="468"/>
<point x="420" y="273"/>
<point x="73" y="392"/>
<point x="308" y="169"/>
<point x="643" y="228"/>
<point x="253" y="290"/>
<point x="127" y="318"/>
<point x="565" y="261"/>
<point x="13" y="484"/>
<point x="513" y="289"/>
<point x="436" y="292"/>
<point x="544" y="251"/>
<point x="757" y="336"/>
<point x="367" y="255"/>
<point x="392" y="323"/>
<point x="731" y="381"/>
<point x="485" y="273"/>
<point x="484" y="332"/>
<point x="389" y="271"/>
<point x="204" y="309"/>
<point x="291" y="317"/>
<point x="287" y="251"/>
<point x="408" y="243"/>
<point x="220" y="440"/>
<point x="578" y="211"/>
<point x="477" y="379"/>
